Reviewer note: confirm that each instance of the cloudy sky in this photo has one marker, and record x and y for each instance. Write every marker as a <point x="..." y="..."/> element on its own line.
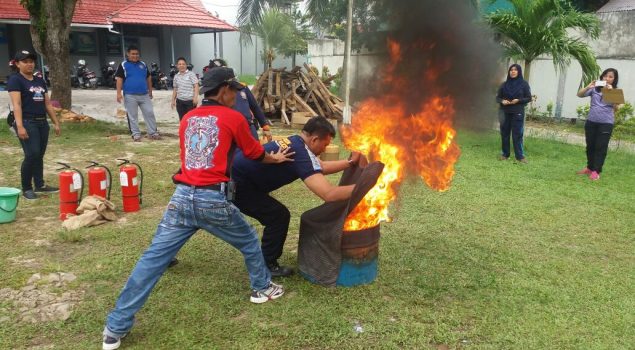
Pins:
<point x="226" y="9"/>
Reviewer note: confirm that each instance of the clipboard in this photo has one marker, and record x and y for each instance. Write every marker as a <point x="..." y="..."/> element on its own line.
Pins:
<point x="614" y="96"/>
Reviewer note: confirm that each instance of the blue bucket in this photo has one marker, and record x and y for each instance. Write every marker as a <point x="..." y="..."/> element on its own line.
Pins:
<point x="9" y="198"/>
<point x="360" y="254"/>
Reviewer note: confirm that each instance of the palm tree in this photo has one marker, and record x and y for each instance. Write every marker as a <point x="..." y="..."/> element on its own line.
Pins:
<point x="276" y="29"/>
<point x="251" y="12"/>
<point x="546" y="27"/>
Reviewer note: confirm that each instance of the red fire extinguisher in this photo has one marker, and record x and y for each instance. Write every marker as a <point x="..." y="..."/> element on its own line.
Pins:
<point x="131" y="185"/>
<point x="99" y="180"/>
<point x="71" y="189"/>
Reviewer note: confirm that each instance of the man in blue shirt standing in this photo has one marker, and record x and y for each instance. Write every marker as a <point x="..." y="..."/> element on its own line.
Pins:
<point x="255" y="180"/>
<point x="133" y="77"/>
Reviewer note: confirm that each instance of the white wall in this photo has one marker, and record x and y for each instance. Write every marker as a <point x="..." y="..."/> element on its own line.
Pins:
<point x="243" y="58"/>
<point x="330" y="53"/>
<point x="615" y="48"/>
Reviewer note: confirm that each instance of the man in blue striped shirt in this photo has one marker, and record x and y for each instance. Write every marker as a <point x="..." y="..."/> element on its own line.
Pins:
<point x="133" y="77"/>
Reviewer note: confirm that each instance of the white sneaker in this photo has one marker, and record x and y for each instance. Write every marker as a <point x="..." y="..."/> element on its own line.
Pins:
<point x="274" y="291"/>
<point x="111" y="343"/>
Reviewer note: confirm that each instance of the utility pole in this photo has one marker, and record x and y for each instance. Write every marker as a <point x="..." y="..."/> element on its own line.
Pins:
<point x="347" y="64"/>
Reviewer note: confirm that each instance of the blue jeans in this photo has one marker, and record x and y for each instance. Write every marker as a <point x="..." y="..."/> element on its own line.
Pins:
<point x="513" y="123"/>
<point x="189" y="209"/>
<point x="34" y="147"/>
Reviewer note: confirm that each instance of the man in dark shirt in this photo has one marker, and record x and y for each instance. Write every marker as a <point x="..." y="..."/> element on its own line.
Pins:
<point x="208" y="137"/>
<point x="254" y="181"/>
<point x="247" y="105"/>
<point x="133" y="77"/>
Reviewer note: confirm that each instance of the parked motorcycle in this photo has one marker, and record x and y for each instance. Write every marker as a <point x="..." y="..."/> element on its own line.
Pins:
<point x="83" y="77"/>
<point x="190" y="67"/>
<point x="159" y="80"/>
<point x="108" y="75"/>
<point x="173" y="71"/>
<point x="13" y="68"/>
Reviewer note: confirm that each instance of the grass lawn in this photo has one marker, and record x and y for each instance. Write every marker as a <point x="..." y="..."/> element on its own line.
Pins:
<point x="248" y="79"/>
<point x="511" y="257"/>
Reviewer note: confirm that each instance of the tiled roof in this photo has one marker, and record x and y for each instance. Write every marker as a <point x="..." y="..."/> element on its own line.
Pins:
<point x="11" y="9"/>
<point x="97" y="11"/>
<point x="86" y="11"/>
<point x="618" y="6"/>
<point x="178" y="13"/>
<point x="181" y="13"/>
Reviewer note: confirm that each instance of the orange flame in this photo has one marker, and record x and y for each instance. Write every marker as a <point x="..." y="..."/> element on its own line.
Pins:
<point x="419" y="142"/>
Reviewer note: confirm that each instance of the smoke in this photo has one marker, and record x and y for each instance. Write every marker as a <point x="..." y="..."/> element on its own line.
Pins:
<point x="444" y="51"/>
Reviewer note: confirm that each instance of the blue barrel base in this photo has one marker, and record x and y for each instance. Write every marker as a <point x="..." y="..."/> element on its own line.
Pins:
<point x="354" y="273"/>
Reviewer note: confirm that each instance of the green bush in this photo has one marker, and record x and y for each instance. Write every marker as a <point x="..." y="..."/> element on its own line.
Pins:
<point x="624" y="121"/>
<point x="583" y="111"/>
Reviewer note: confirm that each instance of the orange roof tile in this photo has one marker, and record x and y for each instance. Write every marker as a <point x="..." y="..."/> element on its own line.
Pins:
<point x="178" y="13"/>
<point x="181" y="13"/>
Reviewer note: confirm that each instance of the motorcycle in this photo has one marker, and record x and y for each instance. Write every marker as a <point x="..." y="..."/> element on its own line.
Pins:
<point x="83" y="77"/>
<point x="108" y="75"/>
<point x="190" y="67"/>
<point x="44" y="75"/>
<point x="173" y="72"/>
<point x="13" y="68"/>
<point x="159" y="80"/>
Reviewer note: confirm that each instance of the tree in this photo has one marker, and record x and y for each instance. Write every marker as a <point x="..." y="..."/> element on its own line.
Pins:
<point x="50" y="30"/>
<point x="296" y="43"/>
<point x="545" y="27"/>
<point x="279" y="35"/>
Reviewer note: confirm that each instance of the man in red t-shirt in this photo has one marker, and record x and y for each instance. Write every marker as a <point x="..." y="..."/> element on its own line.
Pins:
<point x="208" y="136"/>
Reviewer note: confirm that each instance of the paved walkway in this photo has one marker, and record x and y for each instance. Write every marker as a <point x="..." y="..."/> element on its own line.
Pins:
<point x="573" y="138"/>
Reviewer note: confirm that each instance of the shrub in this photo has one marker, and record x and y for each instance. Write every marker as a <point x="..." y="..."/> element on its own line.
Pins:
<point x="624" y="121"/>
<point x="583" y="111"/>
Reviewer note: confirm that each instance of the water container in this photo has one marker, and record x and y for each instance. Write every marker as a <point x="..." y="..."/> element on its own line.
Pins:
<point x="8" y="203"/>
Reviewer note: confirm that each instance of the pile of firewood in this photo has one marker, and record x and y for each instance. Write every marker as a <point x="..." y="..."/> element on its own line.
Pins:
<point x="65" y="116"/>
<point x="283" y="92"/>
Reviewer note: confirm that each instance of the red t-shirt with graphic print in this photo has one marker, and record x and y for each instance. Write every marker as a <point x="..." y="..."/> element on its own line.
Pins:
<point x="208" y="136"/>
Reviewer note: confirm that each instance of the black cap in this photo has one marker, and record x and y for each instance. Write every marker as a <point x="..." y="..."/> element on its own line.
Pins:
<point x="24" y="54"/>
<point x="216" y="76"/>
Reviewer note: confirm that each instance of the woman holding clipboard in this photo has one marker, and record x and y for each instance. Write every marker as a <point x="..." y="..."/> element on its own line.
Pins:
<point x="599" y="124"/>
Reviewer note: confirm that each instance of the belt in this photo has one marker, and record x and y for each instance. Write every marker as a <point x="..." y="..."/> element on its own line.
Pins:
<point x="35" y="118"/>
<point x="215" y="187"/>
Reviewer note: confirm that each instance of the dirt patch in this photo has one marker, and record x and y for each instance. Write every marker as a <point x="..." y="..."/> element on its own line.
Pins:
<point x="40" y="242"/>
<point x="23" y="261"/>
<point x="42" y="299"/>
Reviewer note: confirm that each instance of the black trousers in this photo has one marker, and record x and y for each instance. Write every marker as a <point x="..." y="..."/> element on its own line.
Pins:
<point x="514" y="124"/>
<point x="182" y="107"/>
<point x="273" y="215"/>
<point x="597" y="137"/>
<point x="34" y="147"/>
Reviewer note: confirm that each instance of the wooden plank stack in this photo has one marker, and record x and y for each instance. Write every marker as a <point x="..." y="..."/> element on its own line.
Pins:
<point x="296" y="92"/>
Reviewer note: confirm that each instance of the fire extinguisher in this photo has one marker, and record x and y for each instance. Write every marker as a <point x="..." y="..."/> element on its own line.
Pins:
<point x="99" y="180"/>
<point x="71" y="181"/>
<point x="131" y="185"/>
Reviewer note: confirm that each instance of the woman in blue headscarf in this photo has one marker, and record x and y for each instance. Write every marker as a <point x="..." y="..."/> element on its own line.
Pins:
<point x="513" y="96"/>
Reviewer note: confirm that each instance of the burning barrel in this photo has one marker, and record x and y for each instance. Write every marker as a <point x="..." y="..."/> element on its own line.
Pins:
<point x="335" y="248"/>
<point x="360" y="252"/>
